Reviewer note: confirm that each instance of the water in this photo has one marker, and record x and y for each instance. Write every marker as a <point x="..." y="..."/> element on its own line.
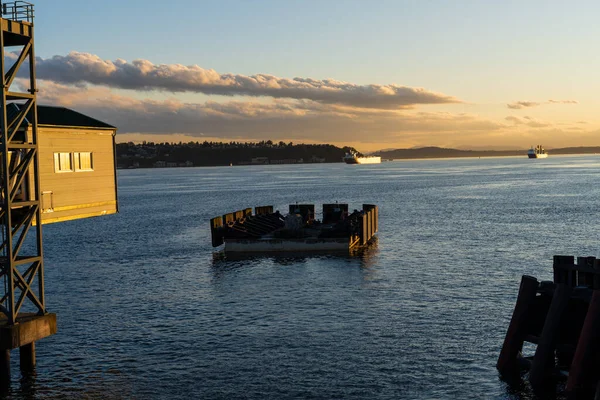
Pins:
<point x="147" y="309"/>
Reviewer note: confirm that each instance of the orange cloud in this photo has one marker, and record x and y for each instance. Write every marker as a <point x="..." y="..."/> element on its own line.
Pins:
<point x="303" y="121"/>
<point x="529" y="121"/>
<point x="280" y="118"/>
<point x="527" y="104"/>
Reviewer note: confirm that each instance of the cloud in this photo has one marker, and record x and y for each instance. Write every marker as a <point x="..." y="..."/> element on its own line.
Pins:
<point x="83" y="68"/>
<point x="528" y="121"/>
<point x="527" y="104"/>
<point x="563" y="101"/>
<point x="522" y="104"/>
<point x="297" y="120"/>
<point x="278" y="119"/>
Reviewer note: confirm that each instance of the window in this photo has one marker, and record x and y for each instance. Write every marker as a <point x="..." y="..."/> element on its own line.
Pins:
<point x="77" y="161"/>
<point x="83" y="161"/>
<point x="63" y="162"/>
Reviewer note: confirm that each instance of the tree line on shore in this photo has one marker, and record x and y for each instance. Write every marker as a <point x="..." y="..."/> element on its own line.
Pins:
<point x="147" y="154"/>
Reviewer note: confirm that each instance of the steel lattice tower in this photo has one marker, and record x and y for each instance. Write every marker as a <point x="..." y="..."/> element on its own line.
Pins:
<point x="20" y="209"/>
<point x="21" y="262"/>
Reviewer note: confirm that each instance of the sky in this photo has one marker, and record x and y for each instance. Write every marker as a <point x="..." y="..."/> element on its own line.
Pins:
<point x="374" y="75"/>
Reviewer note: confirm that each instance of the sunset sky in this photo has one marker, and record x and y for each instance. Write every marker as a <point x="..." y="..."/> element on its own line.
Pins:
<point x="374" y="75"/>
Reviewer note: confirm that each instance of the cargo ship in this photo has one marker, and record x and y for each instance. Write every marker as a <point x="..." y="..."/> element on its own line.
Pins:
<point x="355" y="158"/>
<point x="298" y="231"/>
<point x="537" y="152"/>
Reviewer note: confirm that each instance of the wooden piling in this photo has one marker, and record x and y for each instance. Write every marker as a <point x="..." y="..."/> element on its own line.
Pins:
<point x="216" y="225"/>
<point x="585" y="368"/>
<point x="558" y="267"/>
<point x="4" y="368"/>
<point x="517" y="330"/>
<point x="363" y="230"/>
<point x="27" y="357"/>
<point x="369" y="222"/>
<point x="585" y="271"/>
<point x="369" y="225"/>
<point x="376" y="218"/>
<point x="596" y="279"/>
<point x="542" y="367"/>
<point x="263" y="210"/>
<point x="564" y="270"/>
<point x="228" y="218"/>
<point x="22" y="335"/>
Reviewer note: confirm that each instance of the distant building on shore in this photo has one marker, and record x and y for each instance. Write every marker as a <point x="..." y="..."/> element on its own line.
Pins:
<point x="266" y="160"/>
<point x="287" y="161"/>
<point x="259" y="160"/>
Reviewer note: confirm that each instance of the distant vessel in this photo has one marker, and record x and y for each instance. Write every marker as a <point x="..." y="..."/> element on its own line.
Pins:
<point x="537" y="152"/>
<point x="353" y="158"/>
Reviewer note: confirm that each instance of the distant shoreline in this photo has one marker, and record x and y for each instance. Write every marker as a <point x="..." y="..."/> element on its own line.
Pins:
<point x="438" y="152"/>
<point x="165" y="155"/>
<point x="341" y="162"/>
<point x="474" y="157"/>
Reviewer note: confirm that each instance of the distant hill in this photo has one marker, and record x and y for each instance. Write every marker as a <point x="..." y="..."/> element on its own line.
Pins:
<point x="439" y="152"/>
<point x="150" y="154"/>
<point x="575" y="150"/>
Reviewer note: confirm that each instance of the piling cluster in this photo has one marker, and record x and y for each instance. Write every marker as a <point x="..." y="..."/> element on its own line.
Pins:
<point x="562" y="318"/>
<point x="369" y="222"/>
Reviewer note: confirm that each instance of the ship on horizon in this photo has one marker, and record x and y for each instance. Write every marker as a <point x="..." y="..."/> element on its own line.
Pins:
<point x="353" y="157"/>
<point x="537" y="152"/>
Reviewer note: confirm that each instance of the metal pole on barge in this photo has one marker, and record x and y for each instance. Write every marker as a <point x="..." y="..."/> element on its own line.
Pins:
<point x="23" y="315"/>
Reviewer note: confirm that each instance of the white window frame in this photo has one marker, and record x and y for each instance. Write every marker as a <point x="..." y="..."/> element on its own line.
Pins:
<point x="77" y="161"/>
<point x="58" y="168"/>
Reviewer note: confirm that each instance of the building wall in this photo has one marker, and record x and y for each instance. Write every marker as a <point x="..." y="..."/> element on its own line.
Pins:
<point x="77" y="194"/>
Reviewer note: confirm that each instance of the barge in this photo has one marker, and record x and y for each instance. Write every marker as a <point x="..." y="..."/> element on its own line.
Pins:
<point x="298" y="231"/>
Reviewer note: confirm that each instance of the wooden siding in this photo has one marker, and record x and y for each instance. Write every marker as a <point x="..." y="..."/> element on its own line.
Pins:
<point x="77" y="194"/>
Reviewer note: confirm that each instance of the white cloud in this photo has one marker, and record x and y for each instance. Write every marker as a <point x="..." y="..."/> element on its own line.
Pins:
<point x="83" y="68"/>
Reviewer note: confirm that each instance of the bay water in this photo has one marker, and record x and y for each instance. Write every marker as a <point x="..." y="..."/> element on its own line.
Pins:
<point x="147" y="309"/>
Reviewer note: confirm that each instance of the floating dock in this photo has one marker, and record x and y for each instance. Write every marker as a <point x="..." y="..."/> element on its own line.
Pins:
<point x="562" y="318"/>
<point x="298" y="231"/>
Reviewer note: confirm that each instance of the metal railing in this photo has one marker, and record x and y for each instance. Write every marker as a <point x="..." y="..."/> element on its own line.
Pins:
<point x="21" y="11"/>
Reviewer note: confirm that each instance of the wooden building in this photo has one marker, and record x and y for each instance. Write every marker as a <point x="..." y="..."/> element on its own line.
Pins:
<point x="76" y="164"/>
